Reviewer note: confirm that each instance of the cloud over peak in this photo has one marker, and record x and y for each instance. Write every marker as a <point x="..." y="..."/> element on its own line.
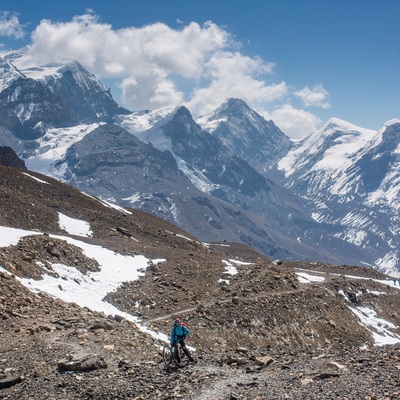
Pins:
<point x="152" y="61"/>
<point x="156" y="66"/>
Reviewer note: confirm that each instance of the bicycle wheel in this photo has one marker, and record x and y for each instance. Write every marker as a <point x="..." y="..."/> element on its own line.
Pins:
<point x="167" y="355"/>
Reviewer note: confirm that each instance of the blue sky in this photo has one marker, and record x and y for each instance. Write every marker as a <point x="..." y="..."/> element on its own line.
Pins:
<point x="298" y="62"/>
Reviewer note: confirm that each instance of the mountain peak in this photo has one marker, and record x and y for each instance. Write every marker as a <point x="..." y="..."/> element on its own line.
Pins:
<point x="246" y="133"/>
<point x="337" y="124"/>
<point x="183" y="111"/>
<point x="233" y="102"/>
<point x="232" y="106"/>
<point x="394" y="121"/>
<point x="232" y="111"/>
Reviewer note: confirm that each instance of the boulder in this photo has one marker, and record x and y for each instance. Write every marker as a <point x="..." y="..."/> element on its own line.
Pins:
<point x="264" y="361"/>
<point x="90" y="362"/>
<point x="10" y="381"/>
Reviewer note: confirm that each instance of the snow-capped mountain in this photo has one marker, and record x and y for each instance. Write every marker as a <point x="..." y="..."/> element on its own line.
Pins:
<point x="60" y="94"/>
<point x="176" y="181"/>
<point x="203" y="158"/>
<point x="350" y="177"/>
<point x="107" y="161"/>
<point x="247" y="134"/>
<point x="217" y="171"/>
<point x="340" y="199"/>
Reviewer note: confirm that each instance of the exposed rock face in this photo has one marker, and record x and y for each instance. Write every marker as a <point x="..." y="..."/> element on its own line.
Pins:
<point x="27" y="104"/>
<point x="207" y="154"/>
<point x="247" y="134"/>
<point x="82" y="93"/>
<point x="9" y="158"/>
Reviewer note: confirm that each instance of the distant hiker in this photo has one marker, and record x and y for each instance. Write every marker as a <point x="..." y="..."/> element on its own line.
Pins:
<point x="178" y="333"/>
<point x="394" y="281"/>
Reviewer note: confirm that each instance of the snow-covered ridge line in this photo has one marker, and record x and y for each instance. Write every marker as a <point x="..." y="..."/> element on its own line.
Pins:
<point x="27" y="66"/>
<point x="346" y="141"/>
<point x="36" y="179"/>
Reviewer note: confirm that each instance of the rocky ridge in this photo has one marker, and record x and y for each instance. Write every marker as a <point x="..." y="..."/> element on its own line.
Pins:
<point x="9" y="158"/>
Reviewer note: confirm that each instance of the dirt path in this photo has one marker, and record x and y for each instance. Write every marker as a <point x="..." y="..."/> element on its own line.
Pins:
<point x="261" y="295"/>
<point x="168" y="316"/>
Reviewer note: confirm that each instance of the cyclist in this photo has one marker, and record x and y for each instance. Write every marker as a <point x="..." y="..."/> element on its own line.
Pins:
<point x="178" y="334"/>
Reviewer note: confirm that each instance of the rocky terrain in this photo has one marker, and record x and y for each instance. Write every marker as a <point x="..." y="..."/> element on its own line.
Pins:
<point x="259" y="333"/>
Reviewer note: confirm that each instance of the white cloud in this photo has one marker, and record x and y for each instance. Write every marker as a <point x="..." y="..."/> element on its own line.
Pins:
<point x="234" y="75"/>
<point x="152" y="61"/>
<point x="295" y="122"/>
<point x="199" y="66"/>
<point x="10" y="25"/>
<point x="316" y="97"/>
<point x="150" y="91"/>
<point x="133" y="50"/>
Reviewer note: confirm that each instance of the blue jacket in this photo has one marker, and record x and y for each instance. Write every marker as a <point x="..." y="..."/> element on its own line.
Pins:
<point x="178" y="332"/>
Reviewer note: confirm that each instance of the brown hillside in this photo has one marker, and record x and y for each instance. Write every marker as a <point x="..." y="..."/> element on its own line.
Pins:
<point x="258" y="334"/>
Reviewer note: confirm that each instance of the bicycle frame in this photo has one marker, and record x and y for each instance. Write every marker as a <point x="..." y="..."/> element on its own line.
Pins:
<point x="170" y="354"/>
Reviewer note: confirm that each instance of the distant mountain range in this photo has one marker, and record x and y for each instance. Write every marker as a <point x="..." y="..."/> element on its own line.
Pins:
<point x="229" y="176"/>
<point x="350" y="179"/>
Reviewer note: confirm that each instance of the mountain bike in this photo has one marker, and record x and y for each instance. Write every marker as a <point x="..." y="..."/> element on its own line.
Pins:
<point x="170" y="356"/>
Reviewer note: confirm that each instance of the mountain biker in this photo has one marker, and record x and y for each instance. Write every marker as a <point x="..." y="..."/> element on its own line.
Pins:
<point x="178" y="334"/>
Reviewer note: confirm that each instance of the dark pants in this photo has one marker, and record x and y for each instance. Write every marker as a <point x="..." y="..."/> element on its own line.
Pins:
<point x="184" y="348"/>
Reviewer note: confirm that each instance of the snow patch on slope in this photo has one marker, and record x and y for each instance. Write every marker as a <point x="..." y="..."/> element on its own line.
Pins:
<point x="86" y="290"/>
<point x="146" y="126"/>
<point x="53" y="146"/>
<point x="208" y="124"/>
<point x="74" y="226"/>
